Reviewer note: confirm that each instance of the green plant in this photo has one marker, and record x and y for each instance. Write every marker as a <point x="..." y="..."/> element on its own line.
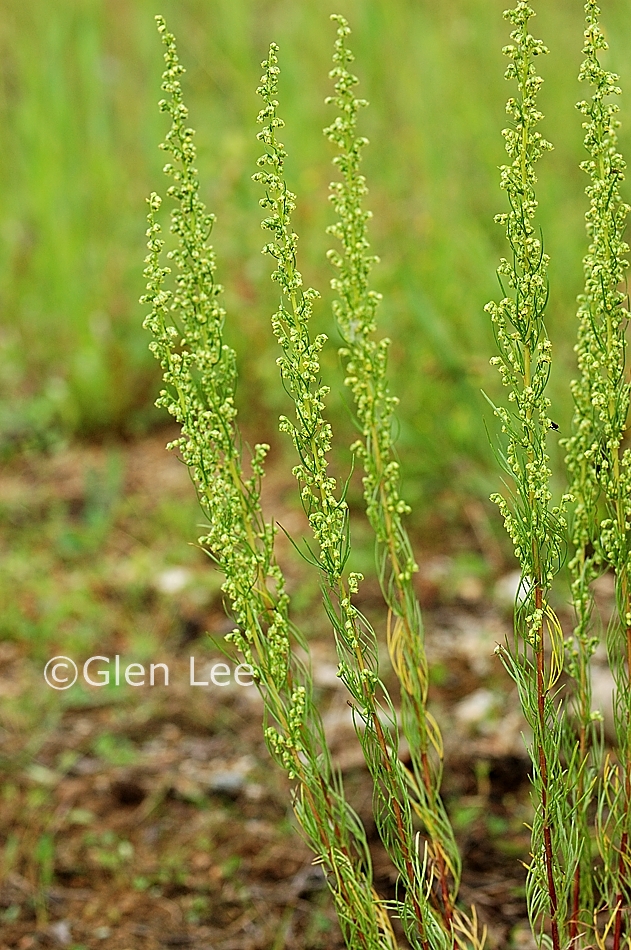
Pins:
<point x="115" y="750"/>
<point x="108" y="851"/>
<point x="327" y="510"/>
<point x="566" y="889"/>
<point x="599" y="468"/>
<point x="44" y="861"/>
<point x="365" y="367"/>
<point x="535" y="528"/>
<point x="199" y="370"/>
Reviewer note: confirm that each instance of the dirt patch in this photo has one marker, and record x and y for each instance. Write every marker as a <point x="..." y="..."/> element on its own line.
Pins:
<point x="152" y="817"/>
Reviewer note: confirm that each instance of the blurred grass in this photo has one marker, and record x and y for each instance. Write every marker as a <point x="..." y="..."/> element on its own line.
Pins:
<point x="79" y="86"/>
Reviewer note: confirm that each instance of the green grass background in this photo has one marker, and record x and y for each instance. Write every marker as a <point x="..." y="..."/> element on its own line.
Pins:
<point x="79" y="87"/>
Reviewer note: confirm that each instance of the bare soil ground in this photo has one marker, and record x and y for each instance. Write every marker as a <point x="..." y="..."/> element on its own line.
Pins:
<point x="153" y="817"/>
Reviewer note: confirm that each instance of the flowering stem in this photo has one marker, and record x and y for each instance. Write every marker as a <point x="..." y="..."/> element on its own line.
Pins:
<point x="535" y="528"/>
<point x="328" y="517"/>
<point x="365" y="365"/>
<point x="599" y="469"/>
<point x="200" y="375"/>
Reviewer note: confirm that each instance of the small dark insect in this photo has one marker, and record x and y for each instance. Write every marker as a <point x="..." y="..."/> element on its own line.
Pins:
<point x="553" y="425"/>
